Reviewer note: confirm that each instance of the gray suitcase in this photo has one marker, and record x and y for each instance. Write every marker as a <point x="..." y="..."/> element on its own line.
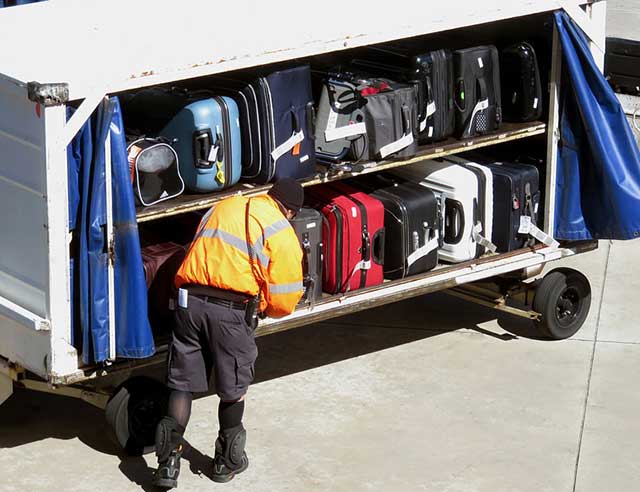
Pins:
<point x="308" y="227"/>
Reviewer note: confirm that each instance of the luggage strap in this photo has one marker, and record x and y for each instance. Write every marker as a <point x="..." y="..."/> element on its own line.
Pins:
<point x="423" y="251"/>
<point x="361" y="265"/>
<point x="481" y="240"/>
<point x="402" y="142"/>
<point x="431" y="110"/>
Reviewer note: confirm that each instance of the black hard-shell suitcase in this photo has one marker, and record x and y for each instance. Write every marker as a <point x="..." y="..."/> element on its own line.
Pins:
<point x="308" y="226"/>
<point x="622" y="65"/>
<point x="477" y="91"/>
<point x="432" y="74"/>
<point x="516" y="193"/>
<point x="520" y="83"/>
<point x="412" y="223"/>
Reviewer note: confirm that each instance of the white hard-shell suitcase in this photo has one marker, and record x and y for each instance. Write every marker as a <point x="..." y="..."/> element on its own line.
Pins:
<point x="463" y="193"/>
<point x="485" y="176"/>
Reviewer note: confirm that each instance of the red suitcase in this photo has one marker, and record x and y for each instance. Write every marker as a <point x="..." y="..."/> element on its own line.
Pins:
<point x="353" y="237"/>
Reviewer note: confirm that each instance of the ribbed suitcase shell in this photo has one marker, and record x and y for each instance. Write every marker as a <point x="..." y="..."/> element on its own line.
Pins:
<point x="350" y="218"/>
<point x="308" y="227"/>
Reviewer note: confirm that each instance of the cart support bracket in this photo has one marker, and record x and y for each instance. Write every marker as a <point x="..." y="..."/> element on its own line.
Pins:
<point x="48" y="94"/>
<point x="486" y="298"/>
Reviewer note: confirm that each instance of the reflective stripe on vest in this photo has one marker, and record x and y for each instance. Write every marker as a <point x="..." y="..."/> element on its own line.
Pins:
<point x="291" y="288"/>
<point x="241" y="244"/>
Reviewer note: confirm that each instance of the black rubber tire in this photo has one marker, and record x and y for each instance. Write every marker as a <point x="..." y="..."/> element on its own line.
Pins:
<point x="563" y="298"/>
<point x="133" y="412"/>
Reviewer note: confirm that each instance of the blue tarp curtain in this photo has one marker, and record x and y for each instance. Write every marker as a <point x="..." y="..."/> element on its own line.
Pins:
<point x="88" y="217"/>
<point x="598" y="178"/>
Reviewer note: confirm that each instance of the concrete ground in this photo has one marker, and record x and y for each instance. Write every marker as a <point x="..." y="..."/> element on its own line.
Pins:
<point x="433" y="394"/>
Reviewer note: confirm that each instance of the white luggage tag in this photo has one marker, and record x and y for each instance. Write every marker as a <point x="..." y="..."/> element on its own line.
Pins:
<point x="528" y="227"/>
<point x="431" y="109"/>
<point x="481" y="240"/>
<point x="287" y="145"/>
<point x="396" y="146"/>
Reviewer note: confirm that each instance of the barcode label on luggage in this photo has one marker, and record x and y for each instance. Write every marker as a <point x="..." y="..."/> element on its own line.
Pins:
<point x="311" y="225"/>
<point x="304" y="158"/>
<point x="332" y="121"/>
<point x="535" y="103"/>
<point x="480" y="62"/>
<point x="430" y="131"/>
<point x="354" y="212"/>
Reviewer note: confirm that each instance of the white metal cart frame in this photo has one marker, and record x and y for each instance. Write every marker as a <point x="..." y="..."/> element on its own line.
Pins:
<point x="35" y="314"/>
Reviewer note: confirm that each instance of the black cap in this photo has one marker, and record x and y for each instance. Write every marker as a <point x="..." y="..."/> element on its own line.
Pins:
<point x="289" y="193"/>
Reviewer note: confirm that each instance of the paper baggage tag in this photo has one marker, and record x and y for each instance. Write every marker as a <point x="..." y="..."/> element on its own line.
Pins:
<point x="332" y="121"/>
<point x="345" y="131"/>
<point x="396" y="146"/>
<point x="423" y="124"/>
<point x="213" y="154"/>
<point x="287" y="145"/>
<point x="480" y="62"/>
<point x="528" y="227"/>
<point x="431" y="108"/>
<point x="430" y="131"/>
<point x="535" y="103"/>
<point x="481" y="240"/>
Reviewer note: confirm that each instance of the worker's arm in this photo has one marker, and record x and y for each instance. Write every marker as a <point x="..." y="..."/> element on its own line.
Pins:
<point x="284" y="287"/>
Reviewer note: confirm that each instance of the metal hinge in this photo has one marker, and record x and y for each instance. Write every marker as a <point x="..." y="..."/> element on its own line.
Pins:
<point x="48" y="94"/>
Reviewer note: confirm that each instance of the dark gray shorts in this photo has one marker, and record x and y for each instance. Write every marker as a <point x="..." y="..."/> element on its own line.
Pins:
<point x="209" y="336"/>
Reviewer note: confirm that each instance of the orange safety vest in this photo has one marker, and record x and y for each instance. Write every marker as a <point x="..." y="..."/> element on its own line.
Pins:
<point x="219" y="257"/>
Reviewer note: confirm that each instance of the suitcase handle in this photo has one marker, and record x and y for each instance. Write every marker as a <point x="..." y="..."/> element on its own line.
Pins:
<point x="453" y="210"/>
<point x="201" y="149"/>
<point x="378" y="246"/>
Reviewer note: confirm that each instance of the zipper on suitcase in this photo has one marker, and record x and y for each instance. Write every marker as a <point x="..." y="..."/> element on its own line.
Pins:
<point x="226" y="130"/>
<point x="339" y="251"/>
<point x="365" y="238"/>
<point x="272" y="125"/>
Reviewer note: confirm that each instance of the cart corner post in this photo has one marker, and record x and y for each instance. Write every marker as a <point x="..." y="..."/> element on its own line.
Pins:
<point x="63" y="357"/>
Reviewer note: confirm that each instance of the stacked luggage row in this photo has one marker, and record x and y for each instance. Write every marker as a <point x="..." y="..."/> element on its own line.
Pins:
<point x="263" y="126"/>
<point x="392" y="225"/>
<point x="397" y="224"/>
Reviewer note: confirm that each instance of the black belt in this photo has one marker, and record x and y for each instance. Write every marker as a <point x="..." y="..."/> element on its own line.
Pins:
<point x="241" y="306"/>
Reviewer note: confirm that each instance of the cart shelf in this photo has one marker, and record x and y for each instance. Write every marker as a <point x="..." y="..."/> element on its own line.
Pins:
<point x="190" y="203"/>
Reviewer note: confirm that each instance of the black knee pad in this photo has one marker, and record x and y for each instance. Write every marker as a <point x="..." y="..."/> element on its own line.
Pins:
<point x="234" y="440"/>
<point x="168" y="437"/>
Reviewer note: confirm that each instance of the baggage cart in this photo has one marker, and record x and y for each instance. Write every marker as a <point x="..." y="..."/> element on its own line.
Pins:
<point x="42" y="76"/>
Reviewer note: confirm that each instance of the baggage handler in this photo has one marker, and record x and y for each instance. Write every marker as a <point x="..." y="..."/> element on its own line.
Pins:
<point x="245" y="261"/>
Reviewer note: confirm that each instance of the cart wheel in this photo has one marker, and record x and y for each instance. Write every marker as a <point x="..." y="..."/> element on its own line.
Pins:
<point x="563" y="298"/>
<point x="133" y="412"/>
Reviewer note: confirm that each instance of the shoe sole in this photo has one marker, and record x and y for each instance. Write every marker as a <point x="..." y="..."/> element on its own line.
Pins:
<point x="230" y="476"/>
<point x="165" y="483"/>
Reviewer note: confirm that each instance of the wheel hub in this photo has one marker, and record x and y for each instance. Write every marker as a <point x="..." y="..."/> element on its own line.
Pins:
<point x="568" y="306"/>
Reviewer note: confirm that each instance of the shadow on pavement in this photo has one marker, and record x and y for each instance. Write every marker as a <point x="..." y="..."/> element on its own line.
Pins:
<point x="29" y="416"/>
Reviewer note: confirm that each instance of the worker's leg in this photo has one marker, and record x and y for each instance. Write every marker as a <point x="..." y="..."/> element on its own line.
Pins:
<point x="187" y="372"/>
<point x="234" y="353"/>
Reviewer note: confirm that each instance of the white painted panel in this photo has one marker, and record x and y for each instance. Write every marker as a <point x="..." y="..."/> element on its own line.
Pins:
<point x="25" y="346"/>
<point x="23" y="216"/>
<point x="21" y="139"/>
<point x="623" y="19"/>
<point x="127" y="44"/>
